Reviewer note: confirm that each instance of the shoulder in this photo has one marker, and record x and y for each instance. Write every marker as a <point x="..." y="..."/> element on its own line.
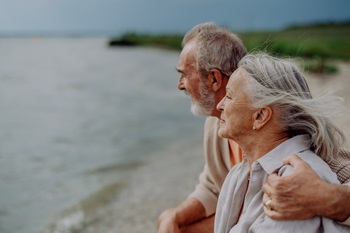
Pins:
<point x="316" y="163"/>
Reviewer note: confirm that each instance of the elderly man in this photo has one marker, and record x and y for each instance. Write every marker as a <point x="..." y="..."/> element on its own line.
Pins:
<point x="210" y="55"/>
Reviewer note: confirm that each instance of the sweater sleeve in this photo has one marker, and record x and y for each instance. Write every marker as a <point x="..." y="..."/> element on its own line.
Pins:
<point x="217" y="165"/>
<point x="340" y="164"/>
<point x="347" y="221"/>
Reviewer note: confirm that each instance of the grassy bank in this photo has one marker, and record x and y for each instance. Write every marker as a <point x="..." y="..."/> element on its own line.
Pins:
<point x="162" y="41"/>
<point x="325" y="42"/>
<point x="319" y="42"/>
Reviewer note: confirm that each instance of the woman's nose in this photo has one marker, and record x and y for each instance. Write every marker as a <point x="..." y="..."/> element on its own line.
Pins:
<point x="219" y="106"/>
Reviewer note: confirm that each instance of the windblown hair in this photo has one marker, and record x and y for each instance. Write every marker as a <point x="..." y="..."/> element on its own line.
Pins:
<point x="278" y="83"/>
<point x="216" y="48"/>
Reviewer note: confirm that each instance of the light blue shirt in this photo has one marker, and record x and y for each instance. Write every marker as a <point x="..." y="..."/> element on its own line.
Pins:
<point x="234" y="193"/>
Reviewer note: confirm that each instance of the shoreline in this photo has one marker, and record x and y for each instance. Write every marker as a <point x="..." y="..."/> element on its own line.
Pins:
<point x="163" y="181"/>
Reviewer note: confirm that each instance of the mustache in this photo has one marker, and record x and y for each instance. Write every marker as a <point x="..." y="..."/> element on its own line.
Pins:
<point x="186" y="92"/>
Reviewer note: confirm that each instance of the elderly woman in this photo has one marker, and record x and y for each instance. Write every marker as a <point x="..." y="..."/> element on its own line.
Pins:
<point x="268" y="110"/>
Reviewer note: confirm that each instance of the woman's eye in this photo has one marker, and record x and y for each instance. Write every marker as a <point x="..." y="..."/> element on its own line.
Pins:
<point x="228" y="97"/>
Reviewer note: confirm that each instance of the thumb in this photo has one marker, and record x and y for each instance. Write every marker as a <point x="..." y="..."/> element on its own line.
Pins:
<point x="293" y="160"/>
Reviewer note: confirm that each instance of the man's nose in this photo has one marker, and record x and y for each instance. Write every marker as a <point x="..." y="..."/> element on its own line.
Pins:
<point x="181" y="84"/>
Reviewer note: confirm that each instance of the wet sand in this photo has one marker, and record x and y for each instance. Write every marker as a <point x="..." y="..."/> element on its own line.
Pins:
<point x="162" y="182"/>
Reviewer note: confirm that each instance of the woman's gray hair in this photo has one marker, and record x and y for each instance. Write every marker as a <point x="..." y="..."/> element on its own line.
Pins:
<point x="216" y="48"/>
<point x="278" y="83"/>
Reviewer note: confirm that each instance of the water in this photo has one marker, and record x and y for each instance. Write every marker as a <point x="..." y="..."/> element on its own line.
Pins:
<point x="76" y="116"/>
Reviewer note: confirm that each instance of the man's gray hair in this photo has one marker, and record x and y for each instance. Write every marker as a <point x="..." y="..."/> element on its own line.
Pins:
<point x="216" y="48"/>
<point x="278" y="83"/>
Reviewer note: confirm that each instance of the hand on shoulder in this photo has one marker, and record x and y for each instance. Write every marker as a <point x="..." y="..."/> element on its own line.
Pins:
<point x="293" y="196"/>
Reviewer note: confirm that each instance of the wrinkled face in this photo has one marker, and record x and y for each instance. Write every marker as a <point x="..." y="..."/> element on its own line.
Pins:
<point x="203" y="99"/>
<point x="236" y="119"/>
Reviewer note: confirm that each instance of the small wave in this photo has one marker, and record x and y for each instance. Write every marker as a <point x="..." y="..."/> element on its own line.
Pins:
<point x="70" y="223"/>
<point x="121" y="166"/>
<point x="85" y="213"/>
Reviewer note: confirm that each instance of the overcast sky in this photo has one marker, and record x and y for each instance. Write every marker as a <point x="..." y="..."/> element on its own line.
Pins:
<point x="162" y="16"/>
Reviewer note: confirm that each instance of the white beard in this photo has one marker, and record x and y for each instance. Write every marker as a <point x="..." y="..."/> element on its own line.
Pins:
<point x="199" y="110"/>
<point x="206" y="104"/>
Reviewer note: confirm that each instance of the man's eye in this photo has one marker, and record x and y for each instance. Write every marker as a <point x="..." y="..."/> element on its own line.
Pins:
<point x="186" y="76"/>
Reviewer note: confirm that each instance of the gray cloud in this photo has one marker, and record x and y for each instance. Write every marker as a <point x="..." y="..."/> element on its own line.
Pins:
<point x="163" y="16"/>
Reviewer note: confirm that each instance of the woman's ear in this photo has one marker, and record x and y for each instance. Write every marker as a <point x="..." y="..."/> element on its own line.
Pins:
<point x="261" y="117"/>
<point x="215" y="79"/>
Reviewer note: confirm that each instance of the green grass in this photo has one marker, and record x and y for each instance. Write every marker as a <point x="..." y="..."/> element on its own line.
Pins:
<point x="161" y="41"/>
<point x="323" y="42"/>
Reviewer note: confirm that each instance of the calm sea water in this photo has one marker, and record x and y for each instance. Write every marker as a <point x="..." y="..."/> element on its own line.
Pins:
<point x="76" y="116"/>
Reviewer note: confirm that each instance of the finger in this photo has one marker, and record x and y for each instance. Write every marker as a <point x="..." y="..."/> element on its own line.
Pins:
<point x="270" y="210"/>
<point x="298" y="164"/>
<point x="272" y="178"/>
<point x="270" y="183"/>
<point x="293" y="160"/>
<point x="268" y="204"/>
<point x="273" y="214"/>
<point x="265" y="198"/>
<point x="267" y="189"/>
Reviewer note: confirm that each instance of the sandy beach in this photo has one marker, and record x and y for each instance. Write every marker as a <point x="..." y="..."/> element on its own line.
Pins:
<point x="164" y="181"/>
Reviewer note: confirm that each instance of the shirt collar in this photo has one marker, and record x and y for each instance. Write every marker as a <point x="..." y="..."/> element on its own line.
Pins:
<point x="272" y="161"/>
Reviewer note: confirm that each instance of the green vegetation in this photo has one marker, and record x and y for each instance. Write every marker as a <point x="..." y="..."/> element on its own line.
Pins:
<point x="317" y="43"/>
<point x="319" y="66"/>
<point x="161" y="41"/>
<point x="331" y="41"/>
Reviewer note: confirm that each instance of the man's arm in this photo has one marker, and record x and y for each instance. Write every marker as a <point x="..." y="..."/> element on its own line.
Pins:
<point x="171" y="220"/>
<point x="303" y="195"/>
<point x="200" y="206"/>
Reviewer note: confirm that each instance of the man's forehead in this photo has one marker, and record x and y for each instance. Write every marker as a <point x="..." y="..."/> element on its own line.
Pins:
<point x="188" y="50"/>
<point x="186" y="60"/>
<point x="190" y="46"/>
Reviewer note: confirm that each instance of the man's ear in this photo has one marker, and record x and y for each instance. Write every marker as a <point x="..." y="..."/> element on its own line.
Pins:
<point x="215" y="79"/>
<point x="261" y="117"/>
